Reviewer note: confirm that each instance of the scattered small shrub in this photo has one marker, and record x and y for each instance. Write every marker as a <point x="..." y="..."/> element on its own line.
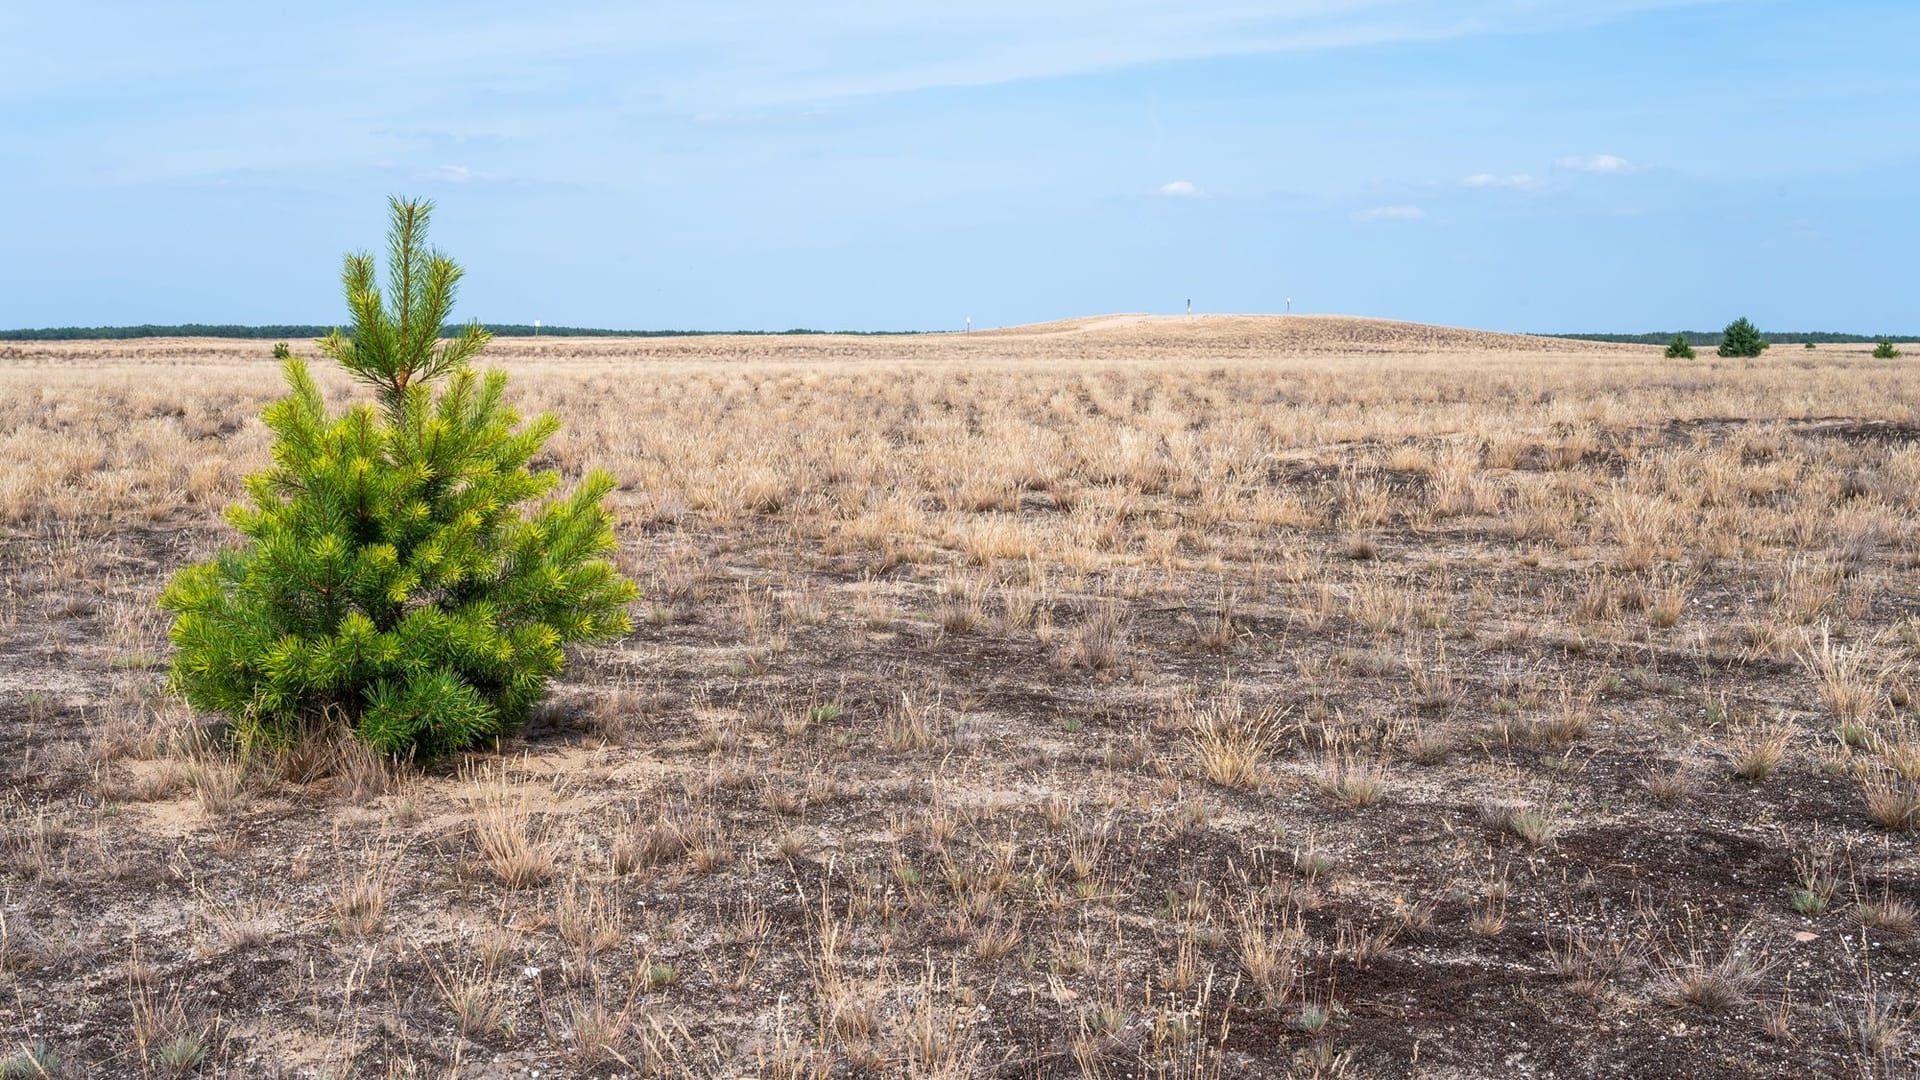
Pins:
<point x="1885" y="350"/>
<point x="1678" y="349"/>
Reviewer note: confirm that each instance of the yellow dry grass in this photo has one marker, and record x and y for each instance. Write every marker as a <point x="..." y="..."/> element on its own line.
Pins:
<point x="1120" y="696"/>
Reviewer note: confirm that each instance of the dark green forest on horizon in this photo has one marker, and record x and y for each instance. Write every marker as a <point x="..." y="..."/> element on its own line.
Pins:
<point x="295" y="331"/>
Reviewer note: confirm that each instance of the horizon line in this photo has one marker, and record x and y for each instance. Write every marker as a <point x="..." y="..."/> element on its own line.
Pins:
<point x="262" y="331"/>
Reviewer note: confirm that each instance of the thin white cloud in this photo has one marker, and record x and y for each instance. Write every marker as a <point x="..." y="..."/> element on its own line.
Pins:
<point x="729" y="54"/>
<point x="452" y="174"/>
<point x="1596" y="163"/>
<point x="757" y="53"/>
<point x="1491" y="180"/>
<point x="1179" y="189"/>
<point x="1391" y="213"/>
<point x="521" y="74"/>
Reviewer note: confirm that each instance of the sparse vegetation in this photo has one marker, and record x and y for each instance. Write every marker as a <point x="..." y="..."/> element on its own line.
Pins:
<point x="1015" y="709"/>
<point x="1679" y="349"/>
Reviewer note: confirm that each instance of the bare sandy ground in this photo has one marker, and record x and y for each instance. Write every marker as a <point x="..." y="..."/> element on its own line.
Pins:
<point x="1121" y="697"/>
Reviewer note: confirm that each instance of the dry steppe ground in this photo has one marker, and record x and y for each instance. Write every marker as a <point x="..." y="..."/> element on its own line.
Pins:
<point x="1117" y="698"/>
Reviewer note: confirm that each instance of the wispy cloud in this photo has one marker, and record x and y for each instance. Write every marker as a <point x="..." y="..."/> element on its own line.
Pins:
<point x="451" y="174"/>
<point x="744" y="53"/>
<point x="1596" y="163"/>
<point x="1391" y="213"/>
<point x="1492" y="180"/>
<point x="756" y="53"/>
<point x="1179" y="189"/>
<point x="518" y="78"/>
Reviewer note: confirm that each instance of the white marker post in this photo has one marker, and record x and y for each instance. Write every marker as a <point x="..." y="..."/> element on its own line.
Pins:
<point x="1289" y="305"/>
<point x="536" y="328"/>
<point x="969" y="324"/>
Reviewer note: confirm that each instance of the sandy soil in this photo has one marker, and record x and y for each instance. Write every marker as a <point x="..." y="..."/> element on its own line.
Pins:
<point x="1126" y="696"/>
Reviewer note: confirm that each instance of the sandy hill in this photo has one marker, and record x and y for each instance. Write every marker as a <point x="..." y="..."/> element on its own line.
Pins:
<point x="1283" y="334"/>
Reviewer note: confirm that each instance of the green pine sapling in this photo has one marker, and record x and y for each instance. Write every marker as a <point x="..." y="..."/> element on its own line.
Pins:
<point x="395" y="580"/>
<point x="1741" y="338"/>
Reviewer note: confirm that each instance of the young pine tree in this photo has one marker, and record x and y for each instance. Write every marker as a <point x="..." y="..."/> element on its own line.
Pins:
<point x="1678" y="349"/>
<point x="1741" y="338"/>
<point x="1885" y="350"/>
<point x="401" y="575"/>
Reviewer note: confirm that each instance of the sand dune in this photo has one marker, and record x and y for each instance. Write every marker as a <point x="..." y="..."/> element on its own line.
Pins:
<point x="1284" y="334"/>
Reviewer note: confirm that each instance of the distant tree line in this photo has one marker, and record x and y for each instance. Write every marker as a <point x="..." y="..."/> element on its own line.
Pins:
<point x="293" y="331"/>
<point x="1712" y="337"/>
<point x="280" y="333"/>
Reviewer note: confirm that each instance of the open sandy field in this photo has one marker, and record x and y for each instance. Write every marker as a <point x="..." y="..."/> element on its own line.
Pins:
<point x="1124" y="697"/>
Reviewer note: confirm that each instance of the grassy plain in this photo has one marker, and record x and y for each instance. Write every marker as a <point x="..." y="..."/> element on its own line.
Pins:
<point x="1125" y="697"/>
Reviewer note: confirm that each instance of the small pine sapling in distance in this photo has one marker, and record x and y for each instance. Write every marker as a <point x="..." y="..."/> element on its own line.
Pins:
<point x="1678" y="349"/>
<point x="1741" y="338"/>
<point x="405" y="574"/>
<point x="1885" y="350"/>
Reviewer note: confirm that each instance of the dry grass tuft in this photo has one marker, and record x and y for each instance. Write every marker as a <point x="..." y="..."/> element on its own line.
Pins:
<point x="1672" y="785"/>
<point x="1269" y="947"/>
<point x="1887" y="913"/>
<point x="514" y="847"/>
<point x="361" y="902"/>
<point x="220" y="786"/>
<point x="1845" y="686"/>
<point x="1756" y="751"/>
<point x="1714" y="980"/>
<point x="1893" y="801"/>
<point x="1231" y="739"/>
<point x="1351" y="780"/>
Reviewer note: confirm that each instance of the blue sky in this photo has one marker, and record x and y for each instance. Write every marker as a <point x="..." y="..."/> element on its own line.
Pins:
<point x="1554" y="165"/>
